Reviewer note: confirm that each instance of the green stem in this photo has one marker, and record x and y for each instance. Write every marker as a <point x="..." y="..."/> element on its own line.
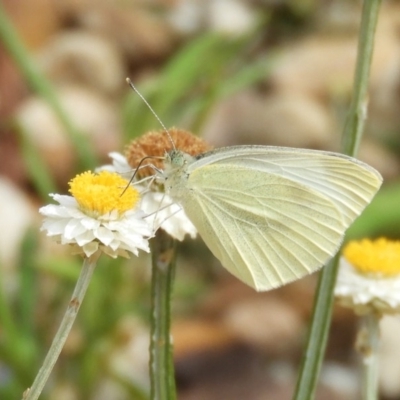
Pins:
<point x="63" y="331"/>
<point x="43" y="87"/>
<point x="358" y="109"/>
<point x="318" y="333"/>
<point x="323" y="303"/>
<point x="368" y="341"/>
<point x="162" y="375"/>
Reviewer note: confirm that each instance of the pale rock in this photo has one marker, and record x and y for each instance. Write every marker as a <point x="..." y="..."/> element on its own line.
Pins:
<point x="200" y="335"/>
<point x="187" y="17"/>
<point x="138" y="34"/>
<point x="35" y="20"/>
<point x="383" y="116"/>
<point x="64" y="391"/>
<point x="384" y="97"/>
<point x="323" y="65"/>
<point x="375" y="154"/>
<point x="126" y="358"/>
<point x="338" y="17"/>
<point x="316" y="66"/>
<point x="267" y="324"/>
<point x="93" y="115"/>
<point x="129" y="357"/>
<point x="283" y="119"/>
<point x="109" y="388"/>
<point x="389" y="357"/>
<point x="231" y="17"/>
<point x="228" y="17"/>
<point x="17" y="215"/>
<point x="83" y="58"/>
<point x="342" y="379"/>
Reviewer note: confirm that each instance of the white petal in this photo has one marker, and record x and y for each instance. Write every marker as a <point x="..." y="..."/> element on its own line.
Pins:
<point x="119" y="164"/>
<point x="85" y="238"/>
<point x="73" y="228"/>
<point x="90" y="223"/>
<point x="65" y="201"/>
<point x="104" y="235"/>
<point x="54" y="210"/>
<point x="167" y="215"/>
<point x="90" y="248"/>
<point x="54" y="226"/>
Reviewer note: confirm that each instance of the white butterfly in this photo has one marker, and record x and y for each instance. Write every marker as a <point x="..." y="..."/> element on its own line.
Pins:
<point x="270" y="214"/>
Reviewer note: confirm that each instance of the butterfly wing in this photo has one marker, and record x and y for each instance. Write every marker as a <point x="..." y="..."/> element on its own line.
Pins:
<point x="349" y="183"/>
<point x="265" y="229"/>
<point x="273" y="218"/>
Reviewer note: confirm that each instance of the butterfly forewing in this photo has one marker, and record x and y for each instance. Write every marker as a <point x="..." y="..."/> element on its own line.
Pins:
<point x="349" y="183"/>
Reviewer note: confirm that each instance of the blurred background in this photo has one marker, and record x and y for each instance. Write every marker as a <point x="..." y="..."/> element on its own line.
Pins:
<point x="275" y="72"/>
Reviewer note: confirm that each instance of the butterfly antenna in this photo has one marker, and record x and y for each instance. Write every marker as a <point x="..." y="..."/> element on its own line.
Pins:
<point x="133" y="87"/>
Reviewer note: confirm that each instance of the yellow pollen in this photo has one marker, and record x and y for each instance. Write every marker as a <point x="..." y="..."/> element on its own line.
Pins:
<point x="99" y="194"/>
<point x="379" y="257"/>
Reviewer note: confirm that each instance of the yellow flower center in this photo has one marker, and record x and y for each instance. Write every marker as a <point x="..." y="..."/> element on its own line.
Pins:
<point x="99" y="194"/>
<point x="379" y="257"/>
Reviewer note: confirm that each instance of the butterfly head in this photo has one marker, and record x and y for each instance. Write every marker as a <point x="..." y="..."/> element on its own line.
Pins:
<point x="177" y="159"/>
<point x="157" y="144"/>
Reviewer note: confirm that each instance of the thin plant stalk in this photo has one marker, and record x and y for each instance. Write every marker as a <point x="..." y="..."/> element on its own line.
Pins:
<point x="368" y="341"/>
<point x="57" y="345"/>
<point x="323" y="303"/>
<point x="162" y="376"/>
<point x="357" y="116"/>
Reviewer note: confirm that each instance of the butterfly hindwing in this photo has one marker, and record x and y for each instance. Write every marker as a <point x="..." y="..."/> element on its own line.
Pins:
<point x="265" y="229"/>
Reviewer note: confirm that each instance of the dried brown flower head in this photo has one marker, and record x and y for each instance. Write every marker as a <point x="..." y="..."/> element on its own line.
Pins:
<point x="157" y="143"/>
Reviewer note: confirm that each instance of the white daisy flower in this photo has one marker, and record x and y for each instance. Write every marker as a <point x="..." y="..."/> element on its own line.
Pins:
<point x="97" y="217"/>
<point x="119" y="165"/>
<point x="170" y="217"/>
<point x="369" y="277"/>
<point x="161" y="210"/>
